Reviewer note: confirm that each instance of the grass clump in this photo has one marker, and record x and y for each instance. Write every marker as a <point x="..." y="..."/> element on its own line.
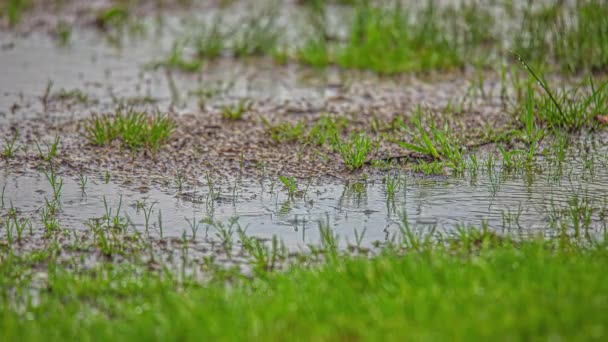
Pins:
<point x="9" y="148"/>
<point x="209" y="41"/>
<point x="290" y="184"/>
<point x="177" y="59"/>
<point x="325" y="129"/>
<point x="117" y="20"/>
<point x="284" y="131"/>
<point x="354" y="151"/>
<point x="13" y="10"/>
<point x="235" y="112"/>
<point x="571" y="110"/>
<point x="114" y="16"/>
<point x="258" y="34"/>
<point x="439" y="145"/>
<point x="51" y="149"/>
<point x="133" y="129"/>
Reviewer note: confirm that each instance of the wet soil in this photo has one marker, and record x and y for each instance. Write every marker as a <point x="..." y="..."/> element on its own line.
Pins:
<point x="203" y="141"/>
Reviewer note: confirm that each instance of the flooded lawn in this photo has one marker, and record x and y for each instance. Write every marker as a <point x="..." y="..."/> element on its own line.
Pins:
<point x="368" y="150"/>
<point x="258" y="141"/>
<point x="531" y="202"/>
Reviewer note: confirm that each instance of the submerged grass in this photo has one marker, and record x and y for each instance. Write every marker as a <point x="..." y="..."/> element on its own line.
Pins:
<point x="479" y="289"/>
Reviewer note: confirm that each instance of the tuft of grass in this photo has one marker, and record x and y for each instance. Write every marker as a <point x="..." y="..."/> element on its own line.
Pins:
<point x="314" y="52"/>
<point x="63" y="33"/>
<point x="511" y="160"/>
<point x="325" y="129"/>
<point x="51" y="150"/>
<point x="532" y="134"/>
<point x="13" y="10"/>
<point x="55" y="181"/>
<point x="113" y="17"/>
<point x="439" y="145"/>
<point x="210" y="41"/>
<point x="285" y="131"/>
<point x="10" y="148"/>
<point x="235" y="112"/>
<point x="290" y="184"/>
<point x="572" y="110"/>
<point x="386" y="40"/>
<point x="117" y="20"/>
<point x="391" y="184"/>
<point x="257" y="35"/>
<point x="354" y="151"/>
<point x="177" y="60"/>
<point x="133" y="129"/>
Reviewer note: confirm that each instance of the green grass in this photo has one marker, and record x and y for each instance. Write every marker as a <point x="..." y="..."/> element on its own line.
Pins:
<point x="9" y="147"/>
<point x="440" y="145"/>
<point x="117" y="20"/>
<point x="257" y="35"/>
<point x="284" y="131"/>
<point x="570" y="110"/>
<point x="325" y="129"/>
<point x="573" y="37"/>
<point x="354" y="151"/>
<point x="386" y="40"/>
<point x="115" y="16"/>
<point x="235" y="112"/>
<point x="133" y="129"/>
<point x="502" y="291"/>
<point x="389" y="37"/>
<point x="209" y="41"/>
<point x="392" y="183"/>
<point x="13" y="10"/>
<point x="177" y="60"/>
<point x="63" y="33"/>
<point x="290" y="184"/>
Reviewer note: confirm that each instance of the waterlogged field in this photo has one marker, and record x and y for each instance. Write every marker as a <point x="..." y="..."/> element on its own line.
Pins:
<point x="309" y="170"/>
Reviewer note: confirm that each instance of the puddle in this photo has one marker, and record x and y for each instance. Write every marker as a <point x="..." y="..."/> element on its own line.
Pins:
<point x="107" y="75"/>
<point x="110" y="74"/>
<point x="524" y="204"/>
